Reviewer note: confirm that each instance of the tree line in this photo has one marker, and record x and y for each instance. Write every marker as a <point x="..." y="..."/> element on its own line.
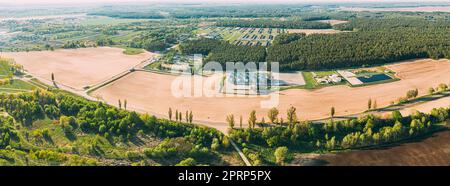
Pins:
<point x="373" y="41"/>
<point x="367" y="130"/>
<point x="195" y="12"/>
<point x="274" y="23"/>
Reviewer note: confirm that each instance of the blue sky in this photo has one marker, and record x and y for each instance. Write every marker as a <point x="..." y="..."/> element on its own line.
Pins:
<point x="209" y="1"/>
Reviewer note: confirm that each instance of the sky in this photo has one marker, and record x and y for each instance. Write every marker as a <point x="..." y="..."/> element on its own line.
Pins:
<point x="202" y="1"/>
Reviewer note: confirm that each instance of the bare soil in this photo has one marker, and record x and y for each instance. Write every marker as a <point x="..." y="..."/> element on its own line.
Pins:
<point x="150" y="92"/>
<point x="78" y="68"/>
<point x="333" y="22"/>
<point x="432" y="151"/>
<point x="314" y="31"/>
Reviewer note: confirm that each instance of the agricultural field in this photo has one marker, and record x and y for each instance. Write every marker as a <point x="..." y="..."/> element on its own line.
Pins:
<point x="316" y="80"/>
<point x="333" y="22"/>
<point x="131" y="51"/>
<point x="103" y="20"/>
<point x="81" y="30"/>
<point x="242" y="36"/>
<point x="16" y="86"/>
<point x="11" y="78"/>
<point x="314" y="31"/>
<point x="5" y="68"/>
<point x="258" y="37"/>
<point x="400" y="9"/>
<point x="313" y="104"/>
<point x="78" y="68"/>
<point x="92" y="85"/>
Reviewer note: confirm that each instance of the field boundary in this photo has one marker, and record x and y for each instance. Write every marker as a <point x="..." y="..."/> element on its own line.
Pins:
<point x="410" y="139"/>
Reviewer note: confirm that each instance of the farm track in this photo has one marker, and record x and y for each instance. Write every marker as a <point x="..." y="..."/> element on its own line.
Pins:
<point x="214" y="124"/>
<point x="120" y="75"/>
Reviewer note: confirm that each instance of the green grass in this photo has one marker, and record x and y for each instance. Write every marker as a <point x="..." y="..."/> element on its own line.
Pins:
<point x="39" y="84"/>
<point x="231" y="36"/>
<point x="125" y="37"/>
<point x="202" y="31"/>
<point x="17" y="86"/>
<point x="11" y="91"/>
<point x="4" y="68"/>
<point x="311" y="83"/>
<point x="153" y="66"/>
<point x="325" y="73"/>
<point x="131" y="51"/>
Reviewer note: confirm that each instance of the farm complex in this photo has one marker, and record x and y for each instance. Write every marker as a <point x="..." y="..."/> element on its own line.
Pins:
<point x="312" y="105"/>
<point x="243" y="36"/>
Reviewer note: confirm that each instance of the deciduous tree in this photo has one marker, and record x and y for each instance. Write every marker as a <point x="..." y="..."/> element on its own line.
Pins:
<point x="230" y="121"/>
<point x="281" y="154"/>
<point x="273" y="115"/>
<point x="292" y="116"/>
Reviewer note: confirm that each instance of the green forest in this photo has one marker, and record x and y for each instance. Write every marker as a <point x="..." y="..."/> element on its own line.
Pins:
<point x="57" y="128"/>
<point x="305" y="136"/>
<point x="196" y="11"/>
<point x="222" y="51"/>
<point x="369" y="42"/>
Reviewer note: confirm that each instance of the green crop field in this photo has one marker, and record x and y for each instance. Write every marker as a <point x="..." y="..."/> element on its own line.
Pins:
<point x="325" y="73"/>
<point x="242" y="36"/>
<point x="17" y="86"/>
<point x="4" y="68"/>
<point x="106" y="21"/>
<point x="131" y="51"/>
<point x="125" y="36"/>
<point x="310" y="81"/>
